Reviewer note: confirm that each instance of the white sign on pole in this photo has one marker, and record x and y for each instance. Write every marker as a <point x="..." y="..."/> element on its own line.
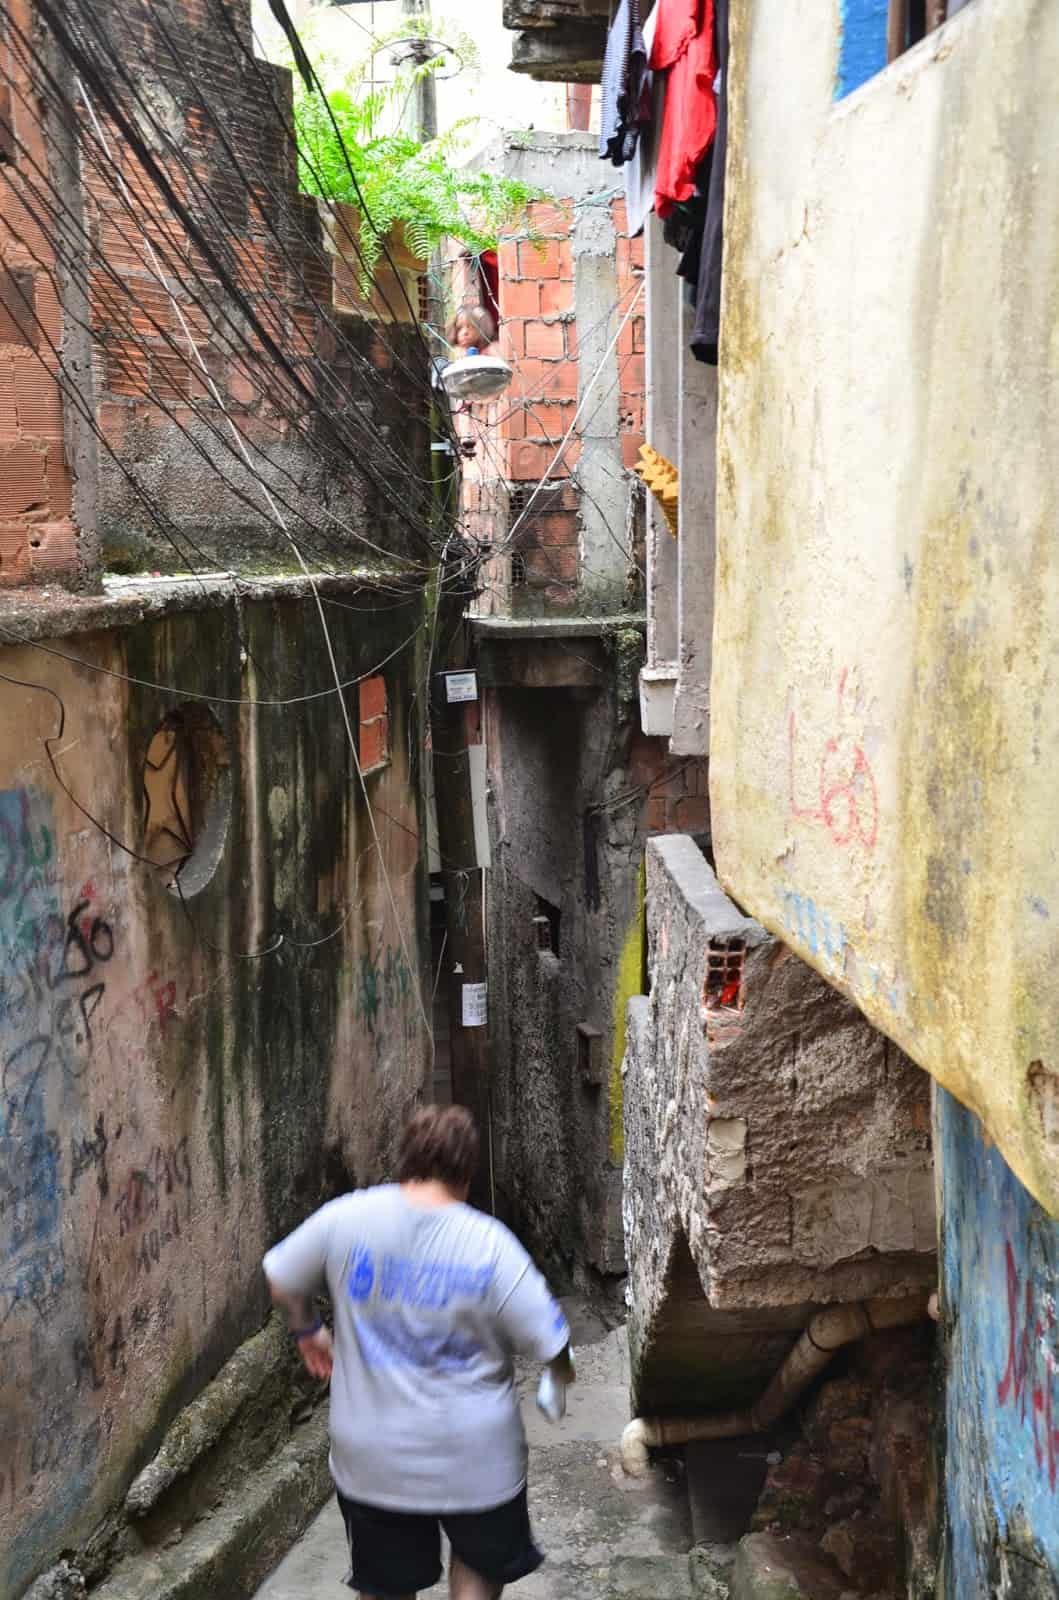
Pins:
<point x="461" y="686"/>
<point x="475" y="1005"/>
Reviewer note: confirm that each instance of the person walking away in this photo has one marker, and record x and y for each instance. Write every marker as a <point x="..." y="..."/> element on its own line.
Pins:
<point x="432" y="1301"/>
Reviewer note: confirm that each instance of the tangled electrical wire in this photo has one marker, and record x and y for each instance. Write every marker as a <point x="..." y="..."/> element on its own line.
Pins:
<point x="177" y="293"/>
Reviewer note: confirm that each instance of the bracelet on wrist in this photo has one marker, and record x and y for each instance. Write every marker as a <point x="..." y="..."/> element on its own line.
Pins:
<point x="306" y="1333"/>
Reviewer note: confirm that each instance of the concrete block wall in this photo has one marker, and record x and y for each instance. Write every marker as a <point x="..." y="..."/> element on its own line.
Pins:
<point x="563" y="295"/>
<point x="777" y="1148"/>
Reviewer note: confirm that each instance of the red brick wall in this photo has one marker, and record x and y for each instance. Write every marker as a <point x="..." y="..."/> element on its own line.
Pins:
<point x="38" y="541"/>
<point x="516" y="439"/>
<point x="156" y="308"/>
<point x="676" y="789"/>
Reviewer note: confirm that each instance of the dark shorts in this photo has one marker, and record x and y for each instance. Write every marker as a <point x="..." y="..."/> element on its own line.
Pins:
<point x="399" y="1552"/>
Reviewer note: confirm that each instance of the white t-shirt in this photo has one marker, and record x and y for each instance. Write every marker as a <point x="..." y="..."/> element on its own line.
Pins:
<point x="431" y="1305"/>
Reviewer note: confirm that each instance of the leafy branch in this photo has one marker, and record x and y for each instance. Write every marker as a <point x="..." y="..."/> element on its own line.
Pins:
<point x="398" y="181"/>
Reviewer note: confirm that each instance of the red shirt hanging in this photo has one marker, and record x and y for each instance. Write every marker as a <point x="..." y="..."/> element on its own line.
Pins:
<point x="684" y="49"/>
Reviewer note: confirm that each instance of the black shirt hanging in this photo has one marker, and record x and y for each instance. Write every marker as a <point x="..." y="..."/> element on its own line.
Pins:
<point x="707" y="330"/>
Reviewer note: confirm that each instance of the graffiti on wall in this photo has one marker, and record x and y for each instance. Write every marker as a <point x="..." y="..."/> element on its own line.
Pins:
<point x="1000" y="1275"/>
<point x="71" y="1176"/>
<point x="382" y="994"/>
<point x="1031" y="1370"/>
<point x="34" y="966"/>
<point x="830" y="781"/>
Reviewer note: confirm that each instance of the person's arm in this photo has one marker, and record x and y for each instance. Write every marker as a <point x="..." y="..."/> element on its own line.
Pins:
<point x="315" y="1345"/>
<point x="296" y="1270"/>
<point x="530" y="1317"/>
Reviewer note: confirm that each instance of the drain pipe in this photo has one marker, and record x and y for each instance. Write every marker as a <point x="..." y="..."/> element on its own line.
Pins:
<point x="828" y="1331"/>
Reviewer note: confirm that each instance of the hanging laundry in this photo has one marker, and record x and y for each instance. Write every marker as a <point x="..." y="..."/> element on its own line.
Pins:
<point x="625" y="104"/>
<point x="683" y="228"/>
<point x="685" y="51"/>
<point x="640" y="170"/>
<point x="707" y="331"/>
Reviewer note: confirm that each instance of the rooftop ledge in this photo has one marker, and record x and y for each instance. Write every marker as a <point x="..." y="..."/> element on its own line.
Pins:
<point x="557" y="627"/>
<point x="39" y="613"/>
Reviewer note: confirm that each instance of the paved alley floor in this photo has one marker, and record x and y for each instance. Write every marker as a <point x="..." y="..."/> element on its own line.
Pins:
<point x="606" y="1537"/>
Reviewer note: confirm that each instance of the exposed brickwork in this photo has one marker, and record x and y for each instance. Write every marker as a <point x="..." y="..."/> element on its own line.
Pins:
<point x="158" y="317"/>
<point x="517" y="438"/>
<point x="38" y="540"/>
<point x="676" y="790"/>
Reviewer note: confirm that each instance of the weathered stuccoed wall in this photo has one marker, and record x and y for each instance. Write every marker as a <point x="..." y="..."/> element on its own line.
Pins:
<point x="1000" y="1277"/>
<point x="884" y="738"/>
<point x="167" y="1107"/>
<point x="777" y="1149"/>
<point x="575" y="792"/>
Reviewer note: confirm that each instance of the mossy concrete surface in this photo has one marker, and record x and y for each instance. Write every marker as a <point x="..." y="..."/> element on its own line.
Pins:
<point x="229" y="1552"/>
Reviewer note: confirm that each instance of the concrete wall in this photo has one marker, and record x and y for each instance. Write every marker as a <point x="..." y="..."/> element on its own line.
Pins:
<point x="575" y="790"/>
<point x="558" y="39"/>
<point x="885" y="648"/>
<point x="180" y="1083"/>
<point x="777" y="1148"/>
<point x="1000" y="1279"/>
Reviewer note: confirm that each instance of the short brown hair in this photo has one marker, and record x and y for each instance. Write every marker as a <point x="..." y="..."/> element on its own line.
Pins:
<point x="440" y="1142"/>
<point x="480" y="319"/>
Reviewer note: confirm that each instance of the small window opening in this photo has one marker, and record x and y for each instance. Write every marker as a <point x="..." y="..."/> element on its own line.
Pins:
<point x="589" y="1054"/>
<point x="518" y="570"/>
<point x="423" y="297"/>
<point x="546" y="924"/>
<point x="517" y="500"/>
<point x="7" y="129"/>
<point x="876" y="32"/>
<point x="723" y="986"/>
<point x="187" y="799"/>
<point x="373" y="744"/>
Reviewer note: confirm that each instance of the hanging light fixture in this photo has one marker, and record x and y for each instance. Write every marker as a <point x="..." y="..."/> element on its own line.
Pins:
<point x="475" y="377"/>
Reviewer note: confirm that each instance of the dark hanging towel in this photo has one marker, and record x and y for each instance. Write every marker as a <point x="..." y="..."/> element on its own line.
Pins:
<point x="625" y="103"/>
<point x="707" y="331"/>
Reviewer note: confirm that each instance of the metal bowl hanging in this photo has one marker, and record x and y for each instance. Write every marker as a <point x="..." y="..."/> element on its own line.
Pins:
<point x="475" y="377"/>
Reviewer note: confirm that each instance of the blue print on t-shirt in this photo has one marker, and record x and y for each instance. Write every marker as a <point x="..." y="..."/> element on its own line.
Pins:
<point x="425" y="1285"/>
<point x="361" y="1279"/>
<point x="387" y="1341"/>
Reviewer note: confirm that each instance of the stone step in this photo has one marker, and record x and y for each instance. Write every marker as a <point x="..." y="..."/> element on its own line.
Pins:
<point x="227" y="1554"/>
<point x="771" y="1567"/>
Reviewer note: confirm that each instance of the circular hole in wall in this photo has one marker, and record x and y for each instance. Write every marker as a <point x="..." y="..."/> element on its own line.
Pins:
<point x="187" y="799"/>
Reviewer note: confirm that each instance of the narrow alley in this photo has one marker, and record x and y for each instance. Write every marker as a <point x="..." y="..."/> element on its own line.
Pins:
<point x="605" y="1535"/>
<point x="529" y="633"/>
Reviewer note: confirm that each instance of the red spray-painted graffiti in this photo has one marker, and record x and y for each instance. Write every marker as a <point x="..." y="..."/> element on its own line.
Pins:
<point x="1032" y="1373"/>
<point x="846" y="801"/>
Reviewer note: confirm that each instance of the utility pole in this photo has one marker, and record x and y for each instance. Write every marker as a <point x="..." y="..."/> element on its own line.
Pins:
<point x="464" y="961"/>
<point x="421" y="112"/>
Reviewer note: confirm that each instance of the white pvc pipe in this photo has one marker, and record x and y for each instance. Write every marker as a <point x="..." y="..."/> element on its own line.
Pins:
<point x="828" y="1332"/>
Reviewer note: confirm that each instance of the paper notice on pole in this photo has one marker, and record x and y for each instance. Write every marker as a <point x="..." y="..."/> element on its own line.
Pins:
<point x="475" y="1005"/>
<point x="461" y="686"/>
